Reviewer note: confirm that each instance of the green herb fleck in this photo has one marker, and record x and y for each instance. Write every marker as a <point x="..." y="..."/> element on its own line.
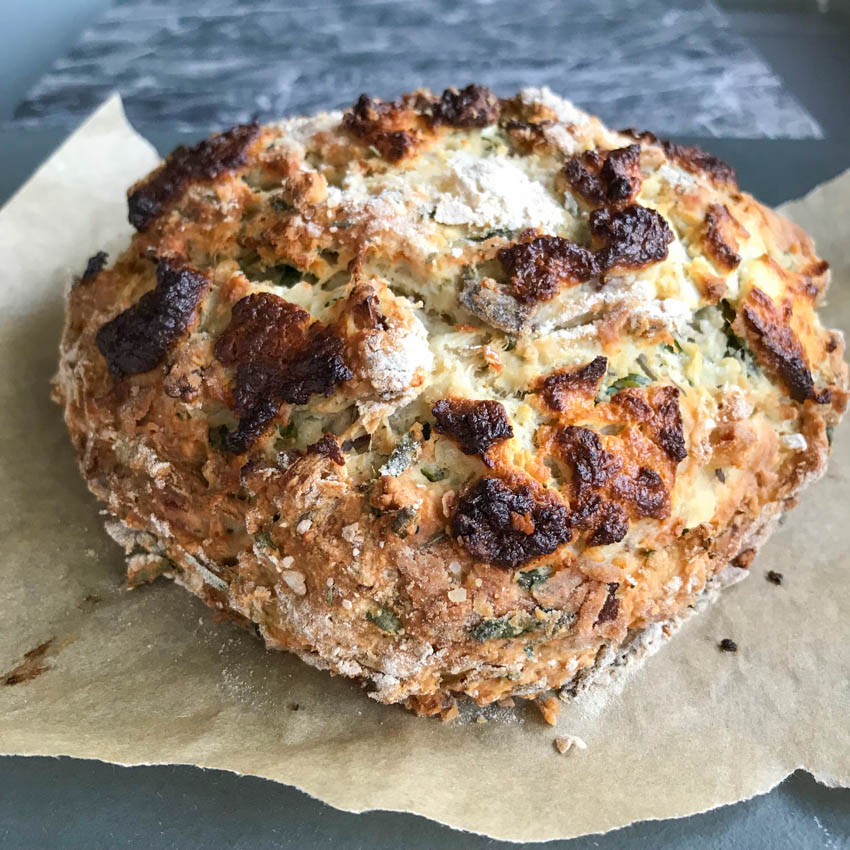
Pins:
<point x="288" y="431"/>
<point x="217" y="436"/>
<point x="510" y="343"/>
<point x="529" y="579"/>
<point x="490" y="234"/>
<point x="403" y="455"/>
<point x="343" y="224"/>
<point x="528" y="649"/>
<point x="435" y="538"/>
<point x="735" y="345"/>
<point x="633" y="379"/>
<point x="830" y="430"/>
<point x="385" y="619"/>
<point x="434" y="473"/>
<point x="278" y="204"/>
<point x="405" y="522"/>
<point x="495" y="628"/>
<point x="262" y="539"/>
<point x="285" y="275"/>
<point x="249" y="263"/>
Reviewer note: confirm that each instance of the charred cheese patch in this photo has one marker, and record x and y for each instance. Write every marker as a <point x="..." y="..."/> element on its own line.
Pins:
<point x="474" y="425"/>
<point x="205" y="161"/>
<point x="563" y="389"/>
<point x="509" y="525"/>
<point x="606" y="177"/>
<point x="693" y="159"/>
<point x="138" y="339"/>
<point x="537" y="269"/>
<point x="279" y="355"/>
<point x="768" y="329"/>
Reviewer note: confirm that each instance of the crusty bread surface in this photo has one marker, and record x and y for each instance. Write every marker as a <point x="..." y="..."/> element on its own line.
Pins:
<point x="457" y="395"/>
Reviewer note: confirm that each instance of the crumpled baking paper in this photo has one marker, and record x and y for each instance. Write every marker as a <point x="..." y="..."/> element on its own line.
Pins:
<point x="92" y="670"/>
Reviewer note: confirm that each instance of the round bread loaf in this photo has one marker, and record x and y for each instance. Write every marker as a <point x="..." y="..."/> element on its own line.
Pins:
<point x="455" y="395"/>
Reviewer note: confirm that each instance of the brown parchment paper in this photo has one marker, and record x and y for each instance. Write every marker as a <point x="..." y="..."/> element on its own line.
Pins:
<point x="146" y="677"/>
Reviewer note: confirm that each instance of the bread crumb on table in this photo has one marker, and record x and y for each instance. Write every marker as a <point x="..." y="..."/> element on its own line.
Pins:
<point x="565" y="743"/>
<point x="450" y="714"/>
<point x="550" y="708"/>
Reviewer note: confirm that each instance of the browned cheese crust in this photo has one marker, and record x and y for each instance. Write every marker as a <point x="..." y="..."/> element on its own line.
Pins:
<point x="454" y="394"/>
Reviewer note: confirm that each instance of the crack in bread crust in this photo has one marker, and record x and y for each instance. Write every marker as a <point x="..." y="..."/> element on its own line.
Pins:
<point x="456" y="395"/>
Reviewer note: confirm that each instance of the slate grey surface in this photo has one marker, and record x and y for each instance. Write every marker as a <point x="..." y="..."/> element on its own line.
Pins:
<point x="67" y="803"/>
<point x="675" y="67"/>
<point x="56" y="804"/>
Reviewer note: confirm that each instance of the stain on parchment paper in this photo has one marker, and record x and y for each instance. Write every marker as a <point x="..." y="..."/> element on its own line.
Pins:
<point x="35" y="662"/>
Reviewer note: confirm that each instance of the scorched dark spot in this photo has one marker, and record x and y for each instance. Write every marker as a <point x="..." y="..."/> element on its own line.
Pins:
<point x="137" y="340"/>
<point x="474" y="425"/>
<point x="204" y="161"/>
<point x="279" y="356"/>
<point x="509" y="526"/>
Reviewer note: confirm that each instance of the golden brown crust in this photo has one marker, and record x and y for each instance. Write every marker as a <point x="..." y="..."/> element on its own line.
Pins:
<point x="568" y="387"/>
<point x="461" y="417"/>
<point x="776" y="345"/>
<point x="692" y="158"/>
<point x="721" y="237"/>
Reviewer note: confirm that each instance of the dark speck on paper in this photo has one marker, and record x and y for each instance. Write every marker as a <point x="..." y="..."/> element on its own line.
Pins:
<point x="33" y="665"/>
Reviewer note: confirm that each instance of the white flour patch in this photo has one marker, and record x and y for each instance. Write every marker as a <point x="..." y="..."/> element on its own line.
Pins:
<point x="495" y="193"/>
<point x="565" y="111"/>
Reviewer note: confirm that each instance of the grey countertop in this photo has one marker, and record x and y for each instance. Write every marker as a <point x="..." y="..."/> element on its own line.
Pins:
<point x="776" y="73"/>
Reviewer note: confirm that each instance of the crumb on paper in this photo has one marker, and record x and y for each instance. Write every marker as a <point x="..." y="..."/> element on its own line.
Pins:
<point x="296" y="582"/>
<point x="450" y="713"/>
<point x="744" y="559"/>
<point x="728" y="645"/>
<point x="774" y="577"/>
<point x="565" y="743"/>
<point x="550" y="708"/>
